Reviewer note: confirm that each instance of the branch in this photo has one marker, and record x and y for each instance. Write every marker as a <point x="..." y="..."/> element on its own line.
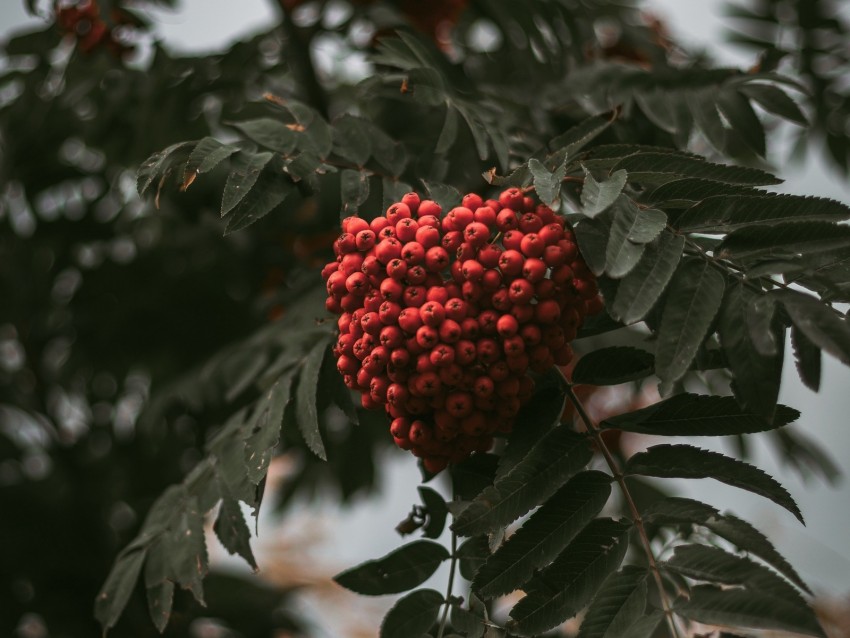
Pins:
<point x="594" y="431"/>
<point x="452" y="567"/>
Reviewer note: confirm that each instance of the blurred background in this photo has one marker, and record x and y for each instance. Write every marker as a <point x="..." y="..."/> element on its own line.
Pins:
<point x="298" y="553"/>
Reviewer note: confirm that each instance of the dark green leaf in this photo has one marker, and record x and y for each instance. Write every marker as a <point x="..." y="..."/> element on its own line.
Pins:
<point x="469" y="622"/>
<point x="353" y="138"/>
<point x="774" y="100"/>
<point x="233" y="532"/>
<point x="703" y="107"/>
<point x="698" y="415"/>
<point x="272" y="134"/>
<point x="695" y="189"/>
<point x="613" y="365"/>
<point x="676" y="510"/>
<point x="592" y="237"/>
<point x="446" y="196"/>
<point x="597" y="197"/>
<point x="644" y="626"/>
<point x="642" y="164"/>
<point x="242" y="179"/>
<point x="623" y="253"/>
<point x="449" y="133"/>
<point x="739" y="608"/>
<point x="725" y="213"/>
<point x="158" y="165"/>
<point x="784" y="241"/>
<point x="208" y="154"/>
<point x="354" y="190"/>
<point x="757" y="376"/>
<point x="692" y="302"/>
<point x="187" y="549"/>
<point x="640" y="289"/>
<point x="818" y="322"/>
<point x="265" y="424"/>
<point x="561" y="590"/>
<point x="557" y="456"/>
<point x="393" y="191"/>
<point x="544" y="534"/>
<point x="538" y="416"/>
<point x="619" y="604"/>
<point x="547" y="184"/>
<point x="306" y="412"/>
<point x="437" y="512"/>
<point x="576" y="138"/>
<point x="471" y="476"/>
<point x="160" y="599"/>
<point x="808" y="359"/>
<point x="398" y="571"/>
<point x="269" y="191"/>
<point x="412" y="615"/>
<point x="686" y="461"/>
<point x="742" y="119"/>
<point x="118" y="587"/>
<point x="471" y="556"/>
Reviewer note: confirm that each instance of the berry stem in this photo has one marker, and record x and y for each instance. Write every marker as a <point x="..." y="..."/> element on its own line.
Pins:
<point x="595" y="432"/>
<point x="448" y="603"/>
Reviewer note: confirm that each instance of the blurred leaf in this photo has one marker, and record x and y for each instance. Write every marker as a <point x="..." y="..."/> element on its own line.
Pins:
<point x="398" y="571"/>
<point x="233" y="532"/>
<point x="412" y="615"/>
<point x="613" y="365"/>
<point x="774" y="100"/>
<point x="306" y="412"/>
<point x="436" y="509"/>
<point x="352" y="138"/>
<point x="472" y="553"/>
<point x="808" y="358"/>
<point x="742" y="119"/>
<point x="118" y="587"/>
<point x="818" y="322"/>
<point x="354" y="188"/>
<point x="446" y="196"/>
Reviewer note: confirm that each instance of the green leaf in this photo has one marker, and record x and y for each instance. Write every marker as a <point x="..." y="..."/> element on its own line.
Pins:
<point x="437" y="512"/>
<point x="242" y="179"/>
<point x="645" y="626"/>
<point x="695" y="189"/>
<point x="557" y="456"/>
<point x="393" y="191"/>
<point x="818" y="322"/>
<point x="725" y="213"/>
<point x="698" y="415"/>
<point x="774" y="100"/>
<point x="354" y="190"/>
<point x="544" y="534"/>
<point x="186" y="548"/>
<point x="400" y="570"/>
<point x="686" y="461"/>
<point x="738" y="608"/>
<point x="582" y="134"/>
<point x="547" y="185"/>
<point x="783" y="241"/>
<point x="742" y="119"/>
<point x="567" y="585"/>
<point x="630" y="230"/>
<point x="646" y="164"/>
<point x="265" y="424"/>
<point x="757" y="376"/>
<point x="206" y="155"/>
<point x="692" y="303"/>
<point x="158" y="165"/>
<point x="449" y="133"/>
<point x="353" y="138"/>
<point x="597" y="197"/>
<point x="619" y="604"/>
<point x="613" y="365"/>
<point x="471" y="555"/>
<point x="446" y="196"/>
<point x="640" y="289"/>
<point x="306" y="411"/>
<point x="703" y="107"/>
<point x="677" y="510"/>
<point x="233" y="532"/>
<point x="592" y="237"/>
<point x="160" y="600"/>
<point x="471" y="622"/>
<point x="272" y="134"/>
<point x="118" y="588"/>
<point x="269" y="191"/>
<point x="538" y="416"/>
<point x="413" y="615"/>
<point x="808" y="358"/>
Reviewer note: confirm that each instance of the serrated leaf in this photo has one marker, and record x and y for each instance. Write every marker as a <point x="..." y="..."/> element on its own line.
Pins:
<point x="774" y="100"/>
<point x="725" y="213"/>
<point x="818" y="322"/>
<point x="471" y="555"/>
<point x="744" y="122"/>
<point x="695" y="295"/>
<point x="206" y="155"/>
<point x="644" y="626"/>
<point x="613" y="365"/>
<point x="640" y="289"/>
<point x="352" y="138"/>
<point x="643" y="164"/>
<point x="264" y="428"/>
<point x="118" y="588"/>
<point x="597" y="197"/>
<point x="567" y="585"/>
<point x="619" y="604"/>
<point x="695" y="189"/>
<point x="783" y="241"/>
<point x="158" y="165"/>
<point x="698" y="415"/>
<point x="686" y="461"/>
<point x="448" y="135"/>
<point x="186" y="548"/>
<point x="579" y="136"/>
<point x="398" y="571"/>
<point x="269" y="191"/>
<point x="544" y="534"/>
<point x="437" y="511"/>
<point x="272" y="134"/>
<point x="538" y="416"/>
<point x="622" y="254"/>
<point x="592" y="238"/>
<point x="677" y="510"/>
<point x="233" y="532"/>
<point x="547" y="185"/>
<point x="242" y="179"/>
<point x="412" y="615"/>
<point x="446" y="196"/>
<point x="757" y="376"/>
<point x="738" y="608"/>
<point x="306" y="411"/>
<point x="354" y="190"/>
<point x="557" y="456"/>
<point x="808" y="359"/>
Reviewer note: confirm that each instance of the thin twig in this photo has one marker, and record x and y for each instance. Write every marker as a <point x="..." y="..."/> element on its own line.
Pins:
<point x="448" y="603"/>
<point x="594" y="431"/>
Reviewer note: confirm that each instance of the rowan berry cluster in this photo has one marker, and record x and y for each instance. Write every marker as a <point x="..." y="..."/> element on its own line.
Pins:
<point x="443" y="317"/>
<point x="83" y="20"/>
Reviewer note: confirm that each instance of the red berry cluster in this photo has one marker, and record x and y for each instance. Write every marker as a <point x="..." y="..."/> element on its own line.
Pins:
<point x="84" y="21"/>
<point x="443" y="316"/>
